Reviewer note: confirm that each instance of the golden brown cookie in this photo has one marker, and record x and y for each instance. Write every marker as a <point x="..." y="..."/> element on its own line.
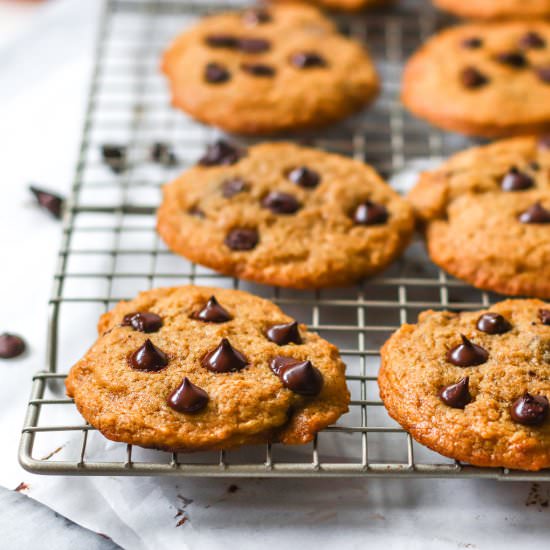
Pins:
<point x="343" y="5"/>
<point x="258" y="72"/>
<point x="486" y="79"/>
<point x="284" y="215"/>
<point x="474" y="386"/>
<point x="486" y="215"/>
<point x="496" y="9"/>
<point x="195" y="368"/>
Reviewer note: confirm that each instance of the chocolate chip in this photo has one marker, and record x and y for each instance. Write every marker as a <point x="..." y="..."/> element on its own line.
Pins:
<point x="221" y="153"/>
<point x="534" y="165"/>
<point x="281" y="203"/>
<point x="307" y="60"/>
<point x="283" y="334"/>
<point x="544" y="142"/>
<point x="533" y="40"/>
<point x="258" y="69"/>
<point x="472" y="42"/>
<point x="301" y="377"/>
<point x="493" y="323"/>
<point x="224" y="358"/>
<point x="222" y="41"/>
<point x="456" y="395"/>
<point x="472" y="78"/>
<point x="196" y="212"/>
<point x="254" y="45"/>
<point x="370" y="213"/>
<point x="233" y="186"/>
<point x="148" y="358"/>
<point x="515" y="180"/>
<point x="512" y="59"/>
<point x="49" y="201"/>
<point x="163" y="154"/>
<point x="530" y="410"/>
<point x="187" y="398"/>
<point x="143" y="321"/>
<point x="467" y="354"/>
<point x="11" y="346"/>
<point x="242" y="238"/>
<point x="543" y="73"/>
<point x="215" y="73"/>
<point x="535" y="214"/>
<point x="544" y="316"/>
<point x="212" y="312"/>
<point x="256" y="17"/>
<point x="304" y="177"/>
<point x="115" y="156"/>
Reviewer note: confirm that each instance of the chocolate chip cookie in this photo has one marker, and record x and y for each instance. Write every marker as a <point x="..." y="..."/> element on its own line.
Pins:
<point x="196" y="368"/>
<point x="486" y="216"/>
<point x="474" y="386"/>
<point x="486" y="79"/>
<point x="343" y="5"/>
<point x="496" y="9"/>
<point x="284" y="215"/>
<point x="265" y="71"/>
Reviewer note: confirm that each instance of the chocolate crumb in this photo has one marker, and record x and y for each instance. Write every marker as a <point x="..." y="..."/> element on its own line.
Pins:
<point x="21" y="487"/>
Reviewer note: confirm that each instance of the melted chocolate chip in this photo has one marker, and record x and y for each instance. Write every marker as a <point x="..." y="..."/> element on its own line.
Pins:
<point x="254" y="45"/>
<point x="222" y="41"/>
<point x="472" y="43"/>
<point x="221" y="153"/>
<point x="472" y="78"/>
<point x="467" y="354"/>
<point x="115" y="156"/>
<point x="512" y="59"/>
<point x="225" y="358"/>
<point x="515" y="180"/>
<point x="301" y="377"/>
<point x="543" y="73"/>
<point x="11" y="346"/>
<point x="143" y="321"/>
<point x="215" y="73"/>
<point x="163" y="154"/>
<point x="286" y="333"/>
<point x="533" y="40"/>
<point x="233" y="186"/>
<point x="370" y="213"/>
<point x="544" y="316"/>
<point x="307" y="60"/>
<point x="530" y="410"/>
<point x="242" y="238"/>
<point x="49" y="201"/>
<point x="256" y="17"/>
<point x="212" y="312"/>
<point x="535" y="214"/>
<point x="456" y="395"/>
<point x="187" y="398"/>
<point x="148" y="358"/>
<point x="281" y="203"/>
<point x="258" y="69"/>
<point x="304" y="177"/>
<point x="493" y="323"/>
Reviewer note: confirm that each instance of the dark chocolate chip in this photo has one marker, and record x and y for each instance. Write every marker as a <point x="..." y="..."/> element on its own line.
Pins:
<point x="221" y="153"/>
<point x="370" y="213"/>
<point x="534" y="165"/>
<point x="544" y="316"/>
<point x="512" y="59"/>
<point x="148" y="358"/>
<point x="515" y="180"/>
<point x="115" y="156"/>
<point x="283" y="334"/>
<point x="49" y="201"/>
<point x="196" y="212"/>
<point x="222" y="41"/>
<point x="216" y="73"/>
<point x="493" y="323"/>
<point x="456" y="395"/>
<point x="472" y="78"/>
<point x="11" y="346"/>
<point x="242" y="238"/>
<point x="467" y="354"/>
<point x="533" y="40"/>
<point x="281" y="203"/>
<point x="307" y="60"/>
<point x="530" y="410"/>
<point x="258" y="69"/>
<point x="212" y="312"/>
<point x="254" y="45"/>
<point x="535" y="214"/>
<point x="233" y="186"/>
<point x="256" y="17"/>
<point x="224" y="358"/>
<point x="143" y="321"/>
<point x="301" y="377"/>
<point x="543" y="73"/>
<point x="472" y="43"/>
<point x="163" y="154"/>
<point x="187" y="398"/>
<point x="304" y="177"/>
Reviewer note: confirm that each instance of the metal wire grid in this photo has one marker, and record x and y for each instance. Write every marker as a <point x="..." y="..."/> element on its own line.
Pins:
<point x="110" y="251"/>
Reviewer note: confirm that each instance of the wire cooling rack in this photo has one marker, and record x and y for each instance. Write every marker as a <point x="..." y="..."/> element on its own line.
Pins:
<point x="110" y="251"/>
